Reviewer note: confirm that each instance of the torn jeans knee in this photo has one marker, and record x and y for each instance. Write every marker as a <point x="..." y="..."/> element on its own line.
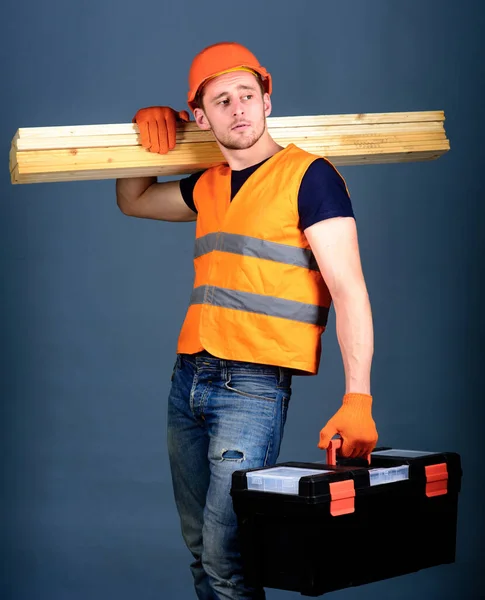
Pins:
<point x="235" y="455"/>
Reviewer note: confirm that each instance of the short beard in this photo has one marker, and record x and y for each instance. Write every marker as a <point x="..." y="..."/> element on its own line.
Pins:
<point x="242" y="143"/>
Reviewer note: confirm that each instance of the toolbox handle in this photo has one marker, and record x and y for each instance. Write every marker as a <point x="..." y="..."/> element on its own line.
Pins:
<point x="334" y="445"/>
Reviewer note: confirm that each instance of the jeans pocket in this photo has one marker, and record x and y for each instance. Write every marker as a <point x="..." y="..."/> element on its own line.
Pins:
<point x="284" y="405"/>
<point x="175" y="365"/>
<point x="253" y="385"/>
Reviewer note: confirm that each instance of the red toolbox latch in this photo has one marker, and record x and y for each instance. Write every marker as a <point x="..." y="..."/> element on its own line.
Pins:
<point x="436" y="480"/>
<point x="342" y="494"/>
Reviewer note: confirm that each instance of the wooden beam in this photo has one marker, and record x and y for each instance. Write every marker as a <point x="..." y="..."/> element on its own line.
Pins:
<point x="83" y="152"/>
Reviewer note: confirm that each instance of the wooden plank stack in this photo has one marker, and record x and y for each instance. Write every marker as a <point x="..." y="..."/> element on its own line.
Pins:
<point x="88" y="152"/>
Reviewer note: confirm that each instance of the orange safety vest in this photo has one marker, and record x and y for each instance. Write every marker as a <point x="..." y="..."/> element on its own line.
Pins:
<point x="258" y="293"/>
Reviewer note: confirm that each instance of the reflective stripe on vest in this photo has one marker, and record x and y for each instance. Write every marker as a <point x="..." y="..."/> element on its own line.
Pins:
<point x="257" y="248"/>
<point x="257" y="303"/>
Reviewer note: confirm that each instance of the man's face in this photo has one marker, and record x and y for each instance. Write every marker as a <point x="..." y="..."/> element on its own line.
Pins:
<point x="234" y="109"/>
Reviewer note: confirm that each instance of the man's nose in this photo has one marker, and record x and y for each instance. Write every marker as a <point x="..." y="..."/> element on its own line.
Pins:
<point x="238" y="107"/>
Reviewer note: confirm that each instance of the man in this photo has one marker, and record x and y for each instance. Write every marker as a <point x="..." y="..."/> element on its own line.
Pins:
<point x="276" y="244"/>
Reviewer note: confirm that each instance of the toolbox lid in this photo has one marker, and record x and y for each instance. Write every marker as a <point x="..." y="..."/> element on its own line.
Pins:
<point x="403" y="453"/>
<point x="279" y="480"/>
<point x="438" y="473"/>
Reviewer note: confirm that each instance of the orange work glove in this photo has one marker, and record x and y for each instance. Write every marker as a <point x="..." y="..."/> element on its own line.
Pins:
<point x="354" y="422"/>
<point x="158" y="127"/>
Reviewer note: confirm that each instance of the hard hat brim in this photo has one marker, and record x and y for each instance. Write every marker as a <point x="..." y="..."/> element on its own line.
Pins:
<point x="256" y="70"/>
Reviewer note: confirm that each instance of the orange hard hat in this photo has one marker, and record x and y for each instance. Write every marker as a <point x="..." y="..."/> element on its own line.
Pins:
<point x="221" y="58"/>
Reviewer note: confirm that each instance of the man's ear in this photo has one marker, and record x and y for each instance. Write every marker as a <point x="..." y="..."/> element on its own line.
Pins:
<point x="267" y="104"/>
<point x="201" y="119"/>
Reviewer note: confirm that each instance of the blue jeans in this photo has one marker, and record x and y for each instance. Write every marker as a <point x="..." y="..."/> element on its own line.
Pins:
<point x="223" y="416"/>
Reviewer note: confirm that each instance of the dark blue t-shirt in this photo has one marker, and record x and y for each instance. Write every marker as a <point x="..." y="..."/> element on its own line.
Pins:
<point x="322" y="193"/>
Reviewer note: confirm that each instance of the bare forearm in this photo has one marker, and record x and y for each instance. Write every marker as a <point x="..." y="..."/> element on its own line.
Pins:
<point x="356" y="339"/>
<point x="130" y="189"/>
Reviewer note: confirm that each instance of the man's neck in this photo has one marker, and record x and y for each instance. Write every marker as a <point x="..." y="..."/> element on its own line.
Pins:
<point x="242" y="159"/>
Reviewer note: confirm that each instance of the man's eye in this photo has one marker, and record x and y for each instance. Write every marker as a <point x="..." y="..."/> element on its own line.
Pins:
<point x="225" y="101"/>
<point x="249" y="96"/>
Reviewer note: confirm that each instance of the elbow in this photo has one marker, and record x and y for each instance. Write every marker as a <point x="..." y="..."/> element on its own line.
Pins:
<point x="122" y="202"/>
<point x="123" y="206"/>
<point x="350" y="298"/>
<point x="349" y="285"/>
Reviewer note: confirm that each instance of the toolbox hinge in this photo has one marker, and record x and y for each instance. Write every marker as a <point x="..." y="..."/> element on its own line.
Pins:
<point x="342" y="494"/>
<point x="436" y="480"/>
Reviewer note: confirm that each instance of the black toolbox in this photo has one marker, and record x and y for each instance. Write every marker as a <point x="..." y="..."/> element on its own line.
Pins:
<point x="314" y="528"/>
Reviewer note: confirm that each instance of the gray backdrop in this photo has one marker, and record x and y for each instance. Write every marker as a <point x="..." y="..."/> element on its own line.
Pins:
<point x="92" y="301"/>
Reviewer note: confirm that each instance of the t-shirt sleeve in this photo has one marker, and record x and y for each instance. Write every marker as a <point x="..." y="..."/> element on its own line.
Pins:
<point x="322" y="195"/>
<point x="187" y="185"/>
